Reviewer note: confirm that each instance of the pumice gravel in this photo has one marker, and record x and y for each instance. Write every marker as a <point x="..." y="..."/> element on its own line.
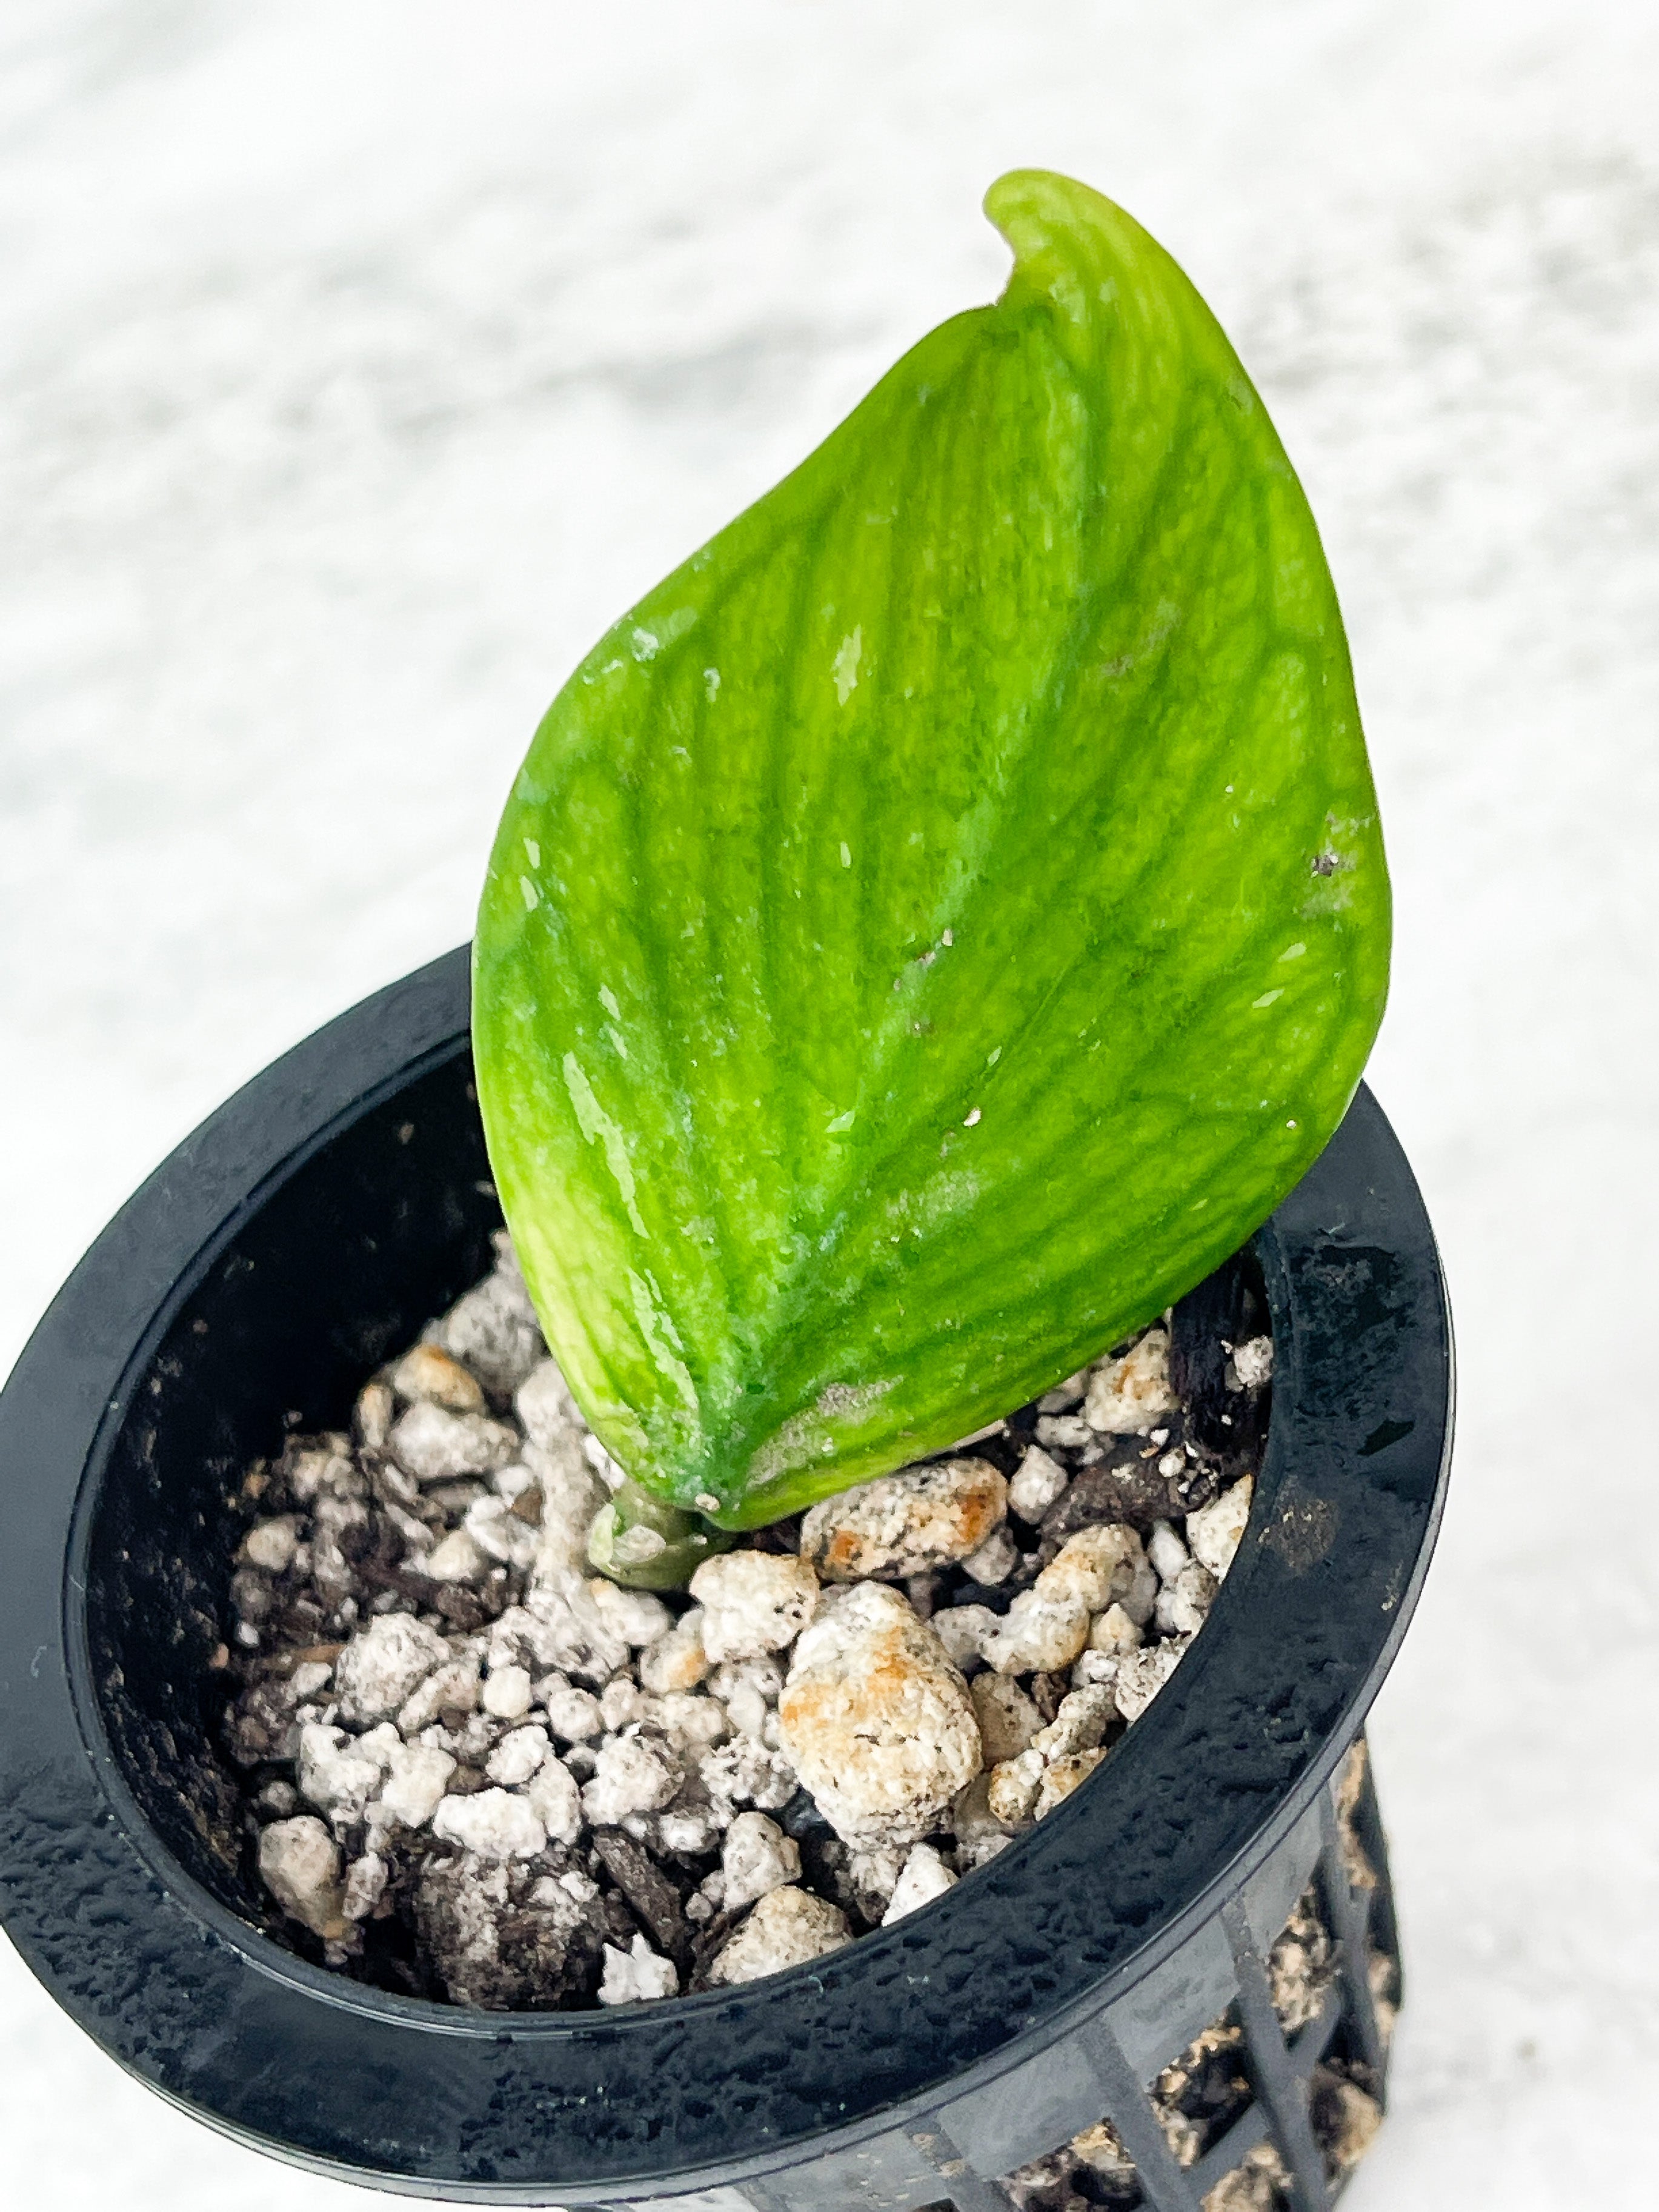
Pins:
<point x="473" y="1770"/>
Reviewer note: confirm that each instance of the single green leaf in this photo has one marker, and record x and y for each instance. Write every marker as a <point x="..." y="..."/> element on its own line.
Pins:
<point x="937" y="926"/>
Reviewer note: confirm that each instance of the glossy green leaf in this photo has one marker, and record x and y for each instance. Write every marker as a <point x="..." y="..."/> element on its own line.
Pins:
<point x="937" y="926"/>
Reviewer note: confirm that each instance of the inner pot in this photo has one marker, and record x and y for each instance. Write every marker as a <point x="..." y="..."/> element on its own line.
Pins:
<point x="310" y="1228"/>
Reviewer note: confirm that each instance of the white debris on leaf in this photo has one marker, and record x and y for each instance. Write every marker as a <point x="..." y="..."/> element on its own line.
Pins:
<point x="753" y="1602"/>
<point x="1127" y="1397"/>
<point x="902" y="1524"/>
<point x="876" y="1720"/>
<point x="493" y="1823"/>
<point x="300" y="1865"/>
<point x="756" y="1857"/>
<point x="788" y="1927"/>
<point x="432" y="1444"/>
<point x="923" y="1877"/>
<point x="1215" y="1531"/>
<point x="637" y="1976"/>
<point x="427" y="1372"/>
<point x="1037" y="1484"/>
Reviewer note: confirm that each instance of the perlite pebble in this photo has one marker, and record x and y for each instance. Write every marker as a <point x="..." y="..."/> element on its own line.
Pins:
<point x="923" y="1877"/>
<point x="340" y="1774"/>
<point x="637" y="1976"/>
<point x="1216" y="1530"/>
<point x="427" y="1373"/>
<point x="1008" y="1718"/>
<point x="434" y="1445"/>
<point x="300" y="1865"/>
<point x="1143" y="1674"/>
<point x="556" y="1799"/>
<point x="455" y="1558"/>
<point x="788" y="1927"/>
<point x="1127" y="1397"/>
<point x="756" y="1857"/>
<point x="876" y="1720"/>
<point x="272" y="1544"/>
<point x="676" y="1660"/>
<point x="634" y="1615"/>
<point x="632" y="1774"/>
<point x="365" y="1886"/>
<point x="904" y="1523"/>
<point x="415" y="1786"/>
<point x="753" y="1602"/>
<point x="994" y="1561"/>
<point x="494" y="1824"/>
<point x="383" y="1663"/>
<point x="1036" y="1484"/>
<point x="506" y="1693"/>
<point x="1183" y="1605"/>
<point x="1168" y="1555"/>
<point x="517" y="1756"/>
<point x="572" y="1714"/>
<point x="1253" y="1363"/>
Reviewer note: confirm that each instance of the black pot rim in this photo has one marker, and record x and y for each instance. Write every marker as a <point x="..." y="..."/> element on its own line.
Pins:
<point x="707" y="2089"/>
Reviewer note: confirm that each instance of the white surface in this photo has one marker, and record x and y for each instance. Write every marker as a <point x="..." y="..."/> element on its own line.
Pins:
<point x="357" y="365"/>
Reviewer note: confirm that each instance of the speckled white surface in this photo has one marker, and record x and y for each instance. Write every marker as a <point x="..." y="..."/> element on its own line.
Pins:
<point x="357" y="365"/>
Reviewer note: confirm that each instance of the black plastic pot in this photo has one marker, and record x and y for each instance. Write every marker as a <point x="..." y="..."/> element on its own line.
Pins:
<point x="310" y="1227"/>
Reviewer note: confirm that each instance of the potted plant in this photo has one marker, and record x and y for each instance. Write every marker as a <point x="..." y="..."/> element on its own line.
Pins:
<point x="936" y="930"/>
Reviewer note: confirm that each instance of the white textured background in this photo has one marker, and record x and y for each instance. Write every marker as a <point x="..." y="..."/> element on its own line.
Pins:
<point x="358" y="363"/>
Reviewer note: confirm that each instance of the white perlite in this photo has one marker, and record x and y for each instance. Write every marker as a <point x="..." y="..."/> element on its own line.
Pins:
<point x="786" y="1928"/>
<point x="1127" y="1397"/>
<point x="902" y="1524"/>
<point x="300" y="1865"/>
<point x="633" y="1774"/>
<point x="1215" y="1531"/>
<point x="540" y="1709"/>
<point x="1037" y="1484"/>
<point x="432" y="1444"/>
<point x="753" y="1602"/>
<point x="383" y="1663"/>
<point x="923" y="1877"/>
<point x="427" y="1373"/>
<point x="1252" y="1362"/>
<point x="637" y="1976"/>
<point x="495" y="1824"/>
<point x="755" y="1858"/>
<point x="876" y="1720"/>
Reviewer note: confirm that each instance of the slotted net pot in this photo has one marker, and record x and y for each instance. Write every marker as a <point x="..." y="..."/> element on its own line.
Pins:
<point x="307" y="1230"/>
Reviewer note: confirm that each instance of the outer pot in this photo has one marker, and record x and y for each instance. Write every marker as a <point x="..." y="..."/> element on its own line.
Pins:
<point x="303" y="1231"/>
